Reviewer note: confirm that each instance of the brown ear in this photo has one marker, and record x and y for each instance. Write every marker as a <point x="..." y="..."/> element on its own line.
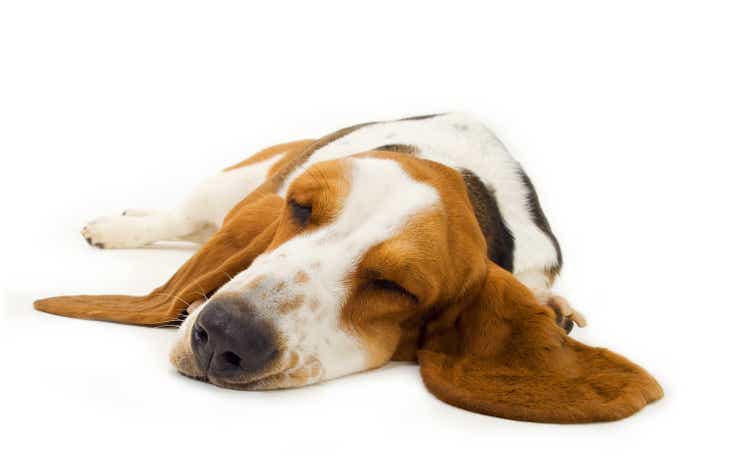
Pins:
<point x="245" y="234"/>
<point x="503" y="355"/>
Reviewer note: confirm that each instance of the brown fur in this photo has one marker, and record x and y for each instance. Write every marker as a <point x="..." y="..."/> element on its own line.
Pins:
<point x="301" y="277"/>
<point x="291" y="304"/>
<point x="270" y="152"/>
<point x="502" y="355"/>
<point x="483" y="341"/>
<point x="400" y="148"/>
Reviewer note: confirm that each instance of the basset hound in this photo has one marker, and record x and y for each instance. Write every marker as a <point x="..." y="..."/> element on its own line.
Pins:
<point x="418" y="239"/>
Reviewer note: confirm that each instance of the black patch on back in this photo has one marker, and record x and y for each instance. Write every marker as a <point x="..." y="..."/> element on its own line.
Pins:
<point x="540" y="219"/>
<point x="399" y="148"/>
<point x="418" y="117"/>
<point x="500" y="240"/>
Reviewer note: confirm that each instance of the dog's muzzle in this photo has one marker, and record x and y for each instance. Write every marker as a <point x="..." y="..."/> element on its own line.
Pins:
<point x="231" y="343"/>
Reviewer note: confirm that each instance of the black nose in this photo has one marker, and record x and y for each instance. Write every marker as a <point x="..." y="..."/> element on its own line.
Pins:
<point x="229" y="340"/>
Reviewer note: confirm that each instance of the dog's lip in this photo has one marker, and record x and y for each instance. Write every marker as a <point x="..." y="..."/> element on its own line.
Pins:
<point x="256" y="383"/>
<point x="201" y="378"/>
<point x="260" y="383"/>
<point x="245" y="385"/>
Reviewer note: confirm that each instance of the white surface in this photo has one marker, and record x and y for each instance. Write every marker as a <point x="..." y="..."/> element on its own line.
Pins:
<point x="631" y="120"/>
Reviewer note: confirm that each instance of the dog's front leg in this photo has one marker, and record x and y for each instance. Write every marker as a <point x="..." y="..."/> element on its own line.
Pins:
<point x="133" y="231"/>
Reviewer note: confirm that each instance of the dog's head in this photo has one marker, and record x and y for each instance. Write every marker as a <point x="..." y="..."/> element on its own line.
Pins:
<point x="379" y="256"/>
<point x="365" y="250"/>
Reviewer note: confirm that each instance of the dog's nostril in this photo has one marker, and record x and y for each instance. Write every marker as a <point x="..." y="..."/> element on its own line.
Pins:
<point x="231" y="359"/>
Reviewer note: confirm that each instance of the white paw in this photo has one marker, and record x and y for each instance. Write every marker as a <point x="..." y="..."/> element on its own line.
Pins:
<point x="112" y="233"/>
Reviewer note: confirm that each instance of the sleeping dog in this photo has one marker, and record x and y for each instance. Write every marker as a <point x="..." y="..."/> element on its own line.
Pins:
<point x="418" y="239"/>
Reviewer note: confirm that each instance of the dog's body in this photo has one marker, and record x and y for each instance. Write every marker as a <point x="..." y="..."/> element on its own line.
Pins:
<point x="504" y="199"/>
<point x="382" y="241"/>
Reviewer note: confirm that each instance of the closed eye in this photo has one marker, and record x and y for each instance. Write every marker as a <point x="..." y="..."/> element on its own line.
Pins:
<point x="388" y="285"/>
<point x="301" y="214"/>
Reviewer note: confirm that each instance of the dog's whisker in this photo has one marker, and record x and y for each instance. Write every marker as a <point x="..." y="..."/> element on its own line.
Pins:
<point x="175" y="321"/>
<point x="205" y="296"/>
<point x="168" y="295"/>
<point x="170" y="324"/>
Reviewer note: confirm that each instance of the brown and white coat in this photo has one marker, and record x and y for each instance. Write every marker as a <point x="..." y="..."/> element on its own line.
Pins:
<point x="417" y="239"/>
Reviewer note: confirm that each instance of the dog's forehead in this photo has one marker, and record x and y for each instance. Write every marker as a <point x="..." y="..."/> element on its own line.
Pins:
<point x="380" y="200"/>
<point x="382" y="197"/>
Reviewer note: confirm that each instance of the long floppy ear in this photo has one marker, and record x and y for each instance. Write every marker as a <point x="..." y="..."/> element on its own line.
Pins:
<point x="503" y="355"/>
<point x="246" y="233"/>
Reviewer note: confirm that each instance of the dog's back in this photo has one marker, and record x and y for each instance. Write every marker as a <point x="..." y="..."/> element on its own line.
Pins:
<point x="506" y="204"/>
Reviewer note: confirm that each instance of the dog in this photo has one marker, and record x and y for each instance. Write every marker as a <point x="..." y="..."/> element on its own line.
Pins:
<point x="419" y="239"/>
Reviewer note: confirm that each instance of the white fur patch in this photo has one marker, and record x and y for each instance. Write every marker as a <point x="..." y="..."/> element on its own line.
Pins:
<point x="193" y="220"/>
<point x="217" y="195"/>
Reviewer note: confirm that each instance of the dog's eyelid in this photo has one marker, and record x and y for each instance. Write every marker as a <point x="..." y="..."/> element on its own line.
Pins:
<point x="390" y="285"/>
<point x="300" y="212"/>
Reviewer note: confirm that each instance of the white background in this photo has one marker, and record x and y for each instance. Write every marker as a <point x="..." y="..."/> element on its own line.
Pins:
<point x="631" y="118"/>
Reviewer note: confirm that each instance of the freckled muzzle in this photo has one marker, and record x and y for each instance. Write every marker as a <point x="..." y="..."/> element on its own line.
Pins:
<point x="231" y="343"/>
